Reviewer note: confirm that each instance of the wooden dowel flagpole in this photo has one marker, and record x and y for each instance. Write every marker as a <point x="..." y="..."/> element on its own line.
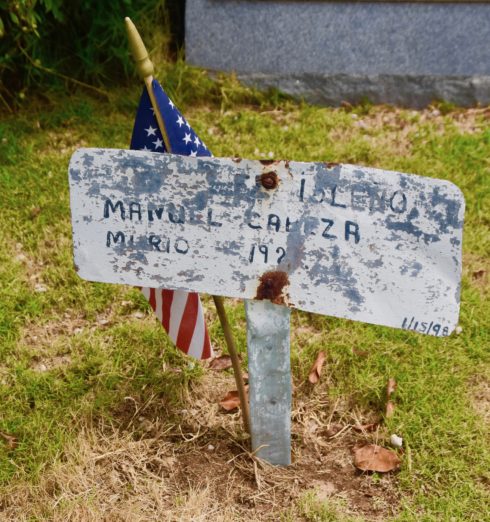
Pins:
<point x="145" y="70"/>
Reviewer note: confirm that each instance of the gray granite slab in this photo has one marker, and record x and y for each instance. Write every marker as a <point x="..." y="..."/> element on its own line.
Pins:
<point x="406" y="53"/>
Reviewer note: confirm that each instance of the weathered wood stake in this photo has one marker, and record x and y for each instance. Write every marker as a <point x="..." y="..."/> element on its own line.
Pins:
<point x="269" y="370"/>
<point x="235" y="361"/>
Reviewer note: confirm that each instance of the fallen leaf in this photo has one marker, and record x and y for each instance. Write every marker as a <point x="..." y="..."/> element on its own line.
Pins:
<point x="221" y="363"/>
<point x="316" y="369"/>
<point x="390" y="390"/>
<point x="390" y="409"/>
<point x="390" y="387"/>
<point x="360" y="353"/>
<point x="35" y="211"/>
<point x="375" y="458"/>
<point x="231" y="400"/>
<point x="479" y="274"/>
<point x="9" y="439"/>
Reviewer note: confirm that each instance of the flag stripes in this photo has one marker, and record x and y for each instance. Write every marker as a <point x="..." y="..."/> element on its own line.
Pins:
<point x="182" y="316"/>
<point x="179" y="312"/>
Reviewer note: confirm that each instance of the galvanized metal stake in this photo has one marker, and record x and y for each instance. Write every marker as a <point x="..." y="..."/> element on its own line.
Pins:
<point x="269" y="368"/>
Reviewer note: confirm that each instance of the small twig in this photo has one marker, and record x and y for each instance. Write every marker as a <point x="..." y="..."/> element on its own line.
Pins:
<point x="235" y="361"/>
<point x="345" y="428"/>
<point x="63" y="76"/>
<point x="334" y="409"/>
<point x="258" y="480"/>
<point x="9" y="439"/>
<point x="110" y="453"/>
<point x="408" y="453"/>
<point x="193" y="437"/>
<point x="4" y="101"/>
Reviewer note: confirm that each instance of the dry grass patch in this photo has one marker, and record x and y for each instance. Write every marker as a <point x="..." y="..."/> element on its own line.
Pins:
<point x="155" y="463"/>
<point x="477" y="269"/>
<point x="113" y="477"/>
<point x="481" y="399"/>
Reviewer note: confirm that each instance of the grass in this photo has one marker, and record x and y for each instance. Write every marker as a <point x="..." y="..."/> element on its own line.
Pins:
<point x="87" y="376"/>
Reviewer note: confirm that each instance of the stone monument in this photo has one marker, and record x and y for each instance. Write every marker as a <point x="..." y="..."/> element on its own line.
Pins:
<point x="404" y="53"/>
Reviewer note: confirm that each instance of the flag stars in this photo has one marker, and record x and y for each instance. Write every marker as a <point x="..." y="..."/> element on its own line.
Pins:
<point x="150" y="131"/>
<point x="197" y="141"/>
<point x="193" y="153"/>
<point x="170" y="102"/>
<point x="158" y="143"/>
<point x="187" y="138"/>
<point x="180" y="121"/>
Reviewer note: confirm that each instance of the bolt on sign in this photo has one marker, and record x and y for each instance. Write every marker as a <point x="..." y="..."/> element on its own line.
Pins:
<point x="355" y="242"/>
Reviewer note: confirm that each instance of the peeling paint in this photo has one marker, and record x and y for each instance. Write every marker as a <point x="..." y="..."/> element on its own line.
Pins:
<point x="366" y="244"/>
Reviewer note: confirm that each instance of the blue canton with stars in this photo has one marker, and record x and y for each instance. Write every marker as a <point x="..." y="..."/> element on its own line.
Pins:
<point x="147" y="136"/>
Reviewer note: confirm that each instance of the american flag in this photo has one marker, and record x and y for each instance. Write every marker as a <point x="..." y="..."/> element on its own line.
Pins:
<point x="180" y="312"/>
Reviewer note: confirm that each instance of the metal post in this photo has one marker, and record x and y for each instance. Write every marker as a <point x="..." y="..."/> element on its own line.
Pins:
<point x="269" y="368"/>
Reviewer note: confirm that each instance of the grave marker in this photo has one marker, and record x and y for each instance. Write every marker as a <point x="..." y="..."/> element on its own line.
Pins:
<point x="360" y="243"/>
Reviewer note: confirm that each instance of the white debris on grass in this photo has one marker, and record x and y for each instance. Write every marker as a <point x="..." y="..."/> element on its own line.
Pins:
<point x="396" y="441"/>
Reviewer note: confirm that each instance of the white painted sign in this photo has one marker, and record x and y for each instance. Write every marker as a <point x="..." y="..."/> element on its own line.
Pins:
<point x="365" y="244"/>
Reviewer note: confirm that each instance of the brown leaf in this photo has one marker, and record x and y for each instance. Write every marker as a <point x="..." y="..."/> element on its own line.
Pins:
<point x="390" y="409"/>
<point x="479" y="274"/>
<point x="10" y="440"/>
<point x="360" y="353"/>
<point x="221" y="363"/>
<point x="390" y="387"/>
<point x="35" y="211"/>
<point x="231" y="401"/>
<point x="316" y="369"/>
<point x="375" y="458"/>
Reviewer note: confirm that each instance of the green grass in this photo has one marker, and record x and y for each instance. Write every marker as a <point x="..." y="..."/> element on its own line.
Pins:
<point x="446" y="476"/>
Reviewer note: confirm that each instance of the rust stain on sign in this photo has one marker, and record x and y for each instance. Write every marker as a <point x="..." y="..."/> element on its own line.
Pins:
<point x="269" y="180"/>
<point x="272" y="286"/>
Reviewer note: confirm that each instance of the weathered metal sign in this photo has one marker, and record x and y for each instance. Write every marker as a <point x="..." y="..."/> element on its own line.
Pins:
<point x="365" y="244"/>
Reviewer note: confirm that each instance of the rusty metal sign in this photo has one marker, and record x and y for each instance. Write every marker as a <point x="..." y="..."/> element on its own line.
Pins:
<point x="360" y="243"/>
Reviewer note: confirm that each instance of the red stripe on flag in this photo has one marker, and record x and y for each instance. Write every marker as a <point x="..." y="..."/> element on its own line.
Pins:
<point x="188" y="322"/>
<point x="206" y="351"/>
<point x="167" y="297"/>
<point x="152" y="299"/>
